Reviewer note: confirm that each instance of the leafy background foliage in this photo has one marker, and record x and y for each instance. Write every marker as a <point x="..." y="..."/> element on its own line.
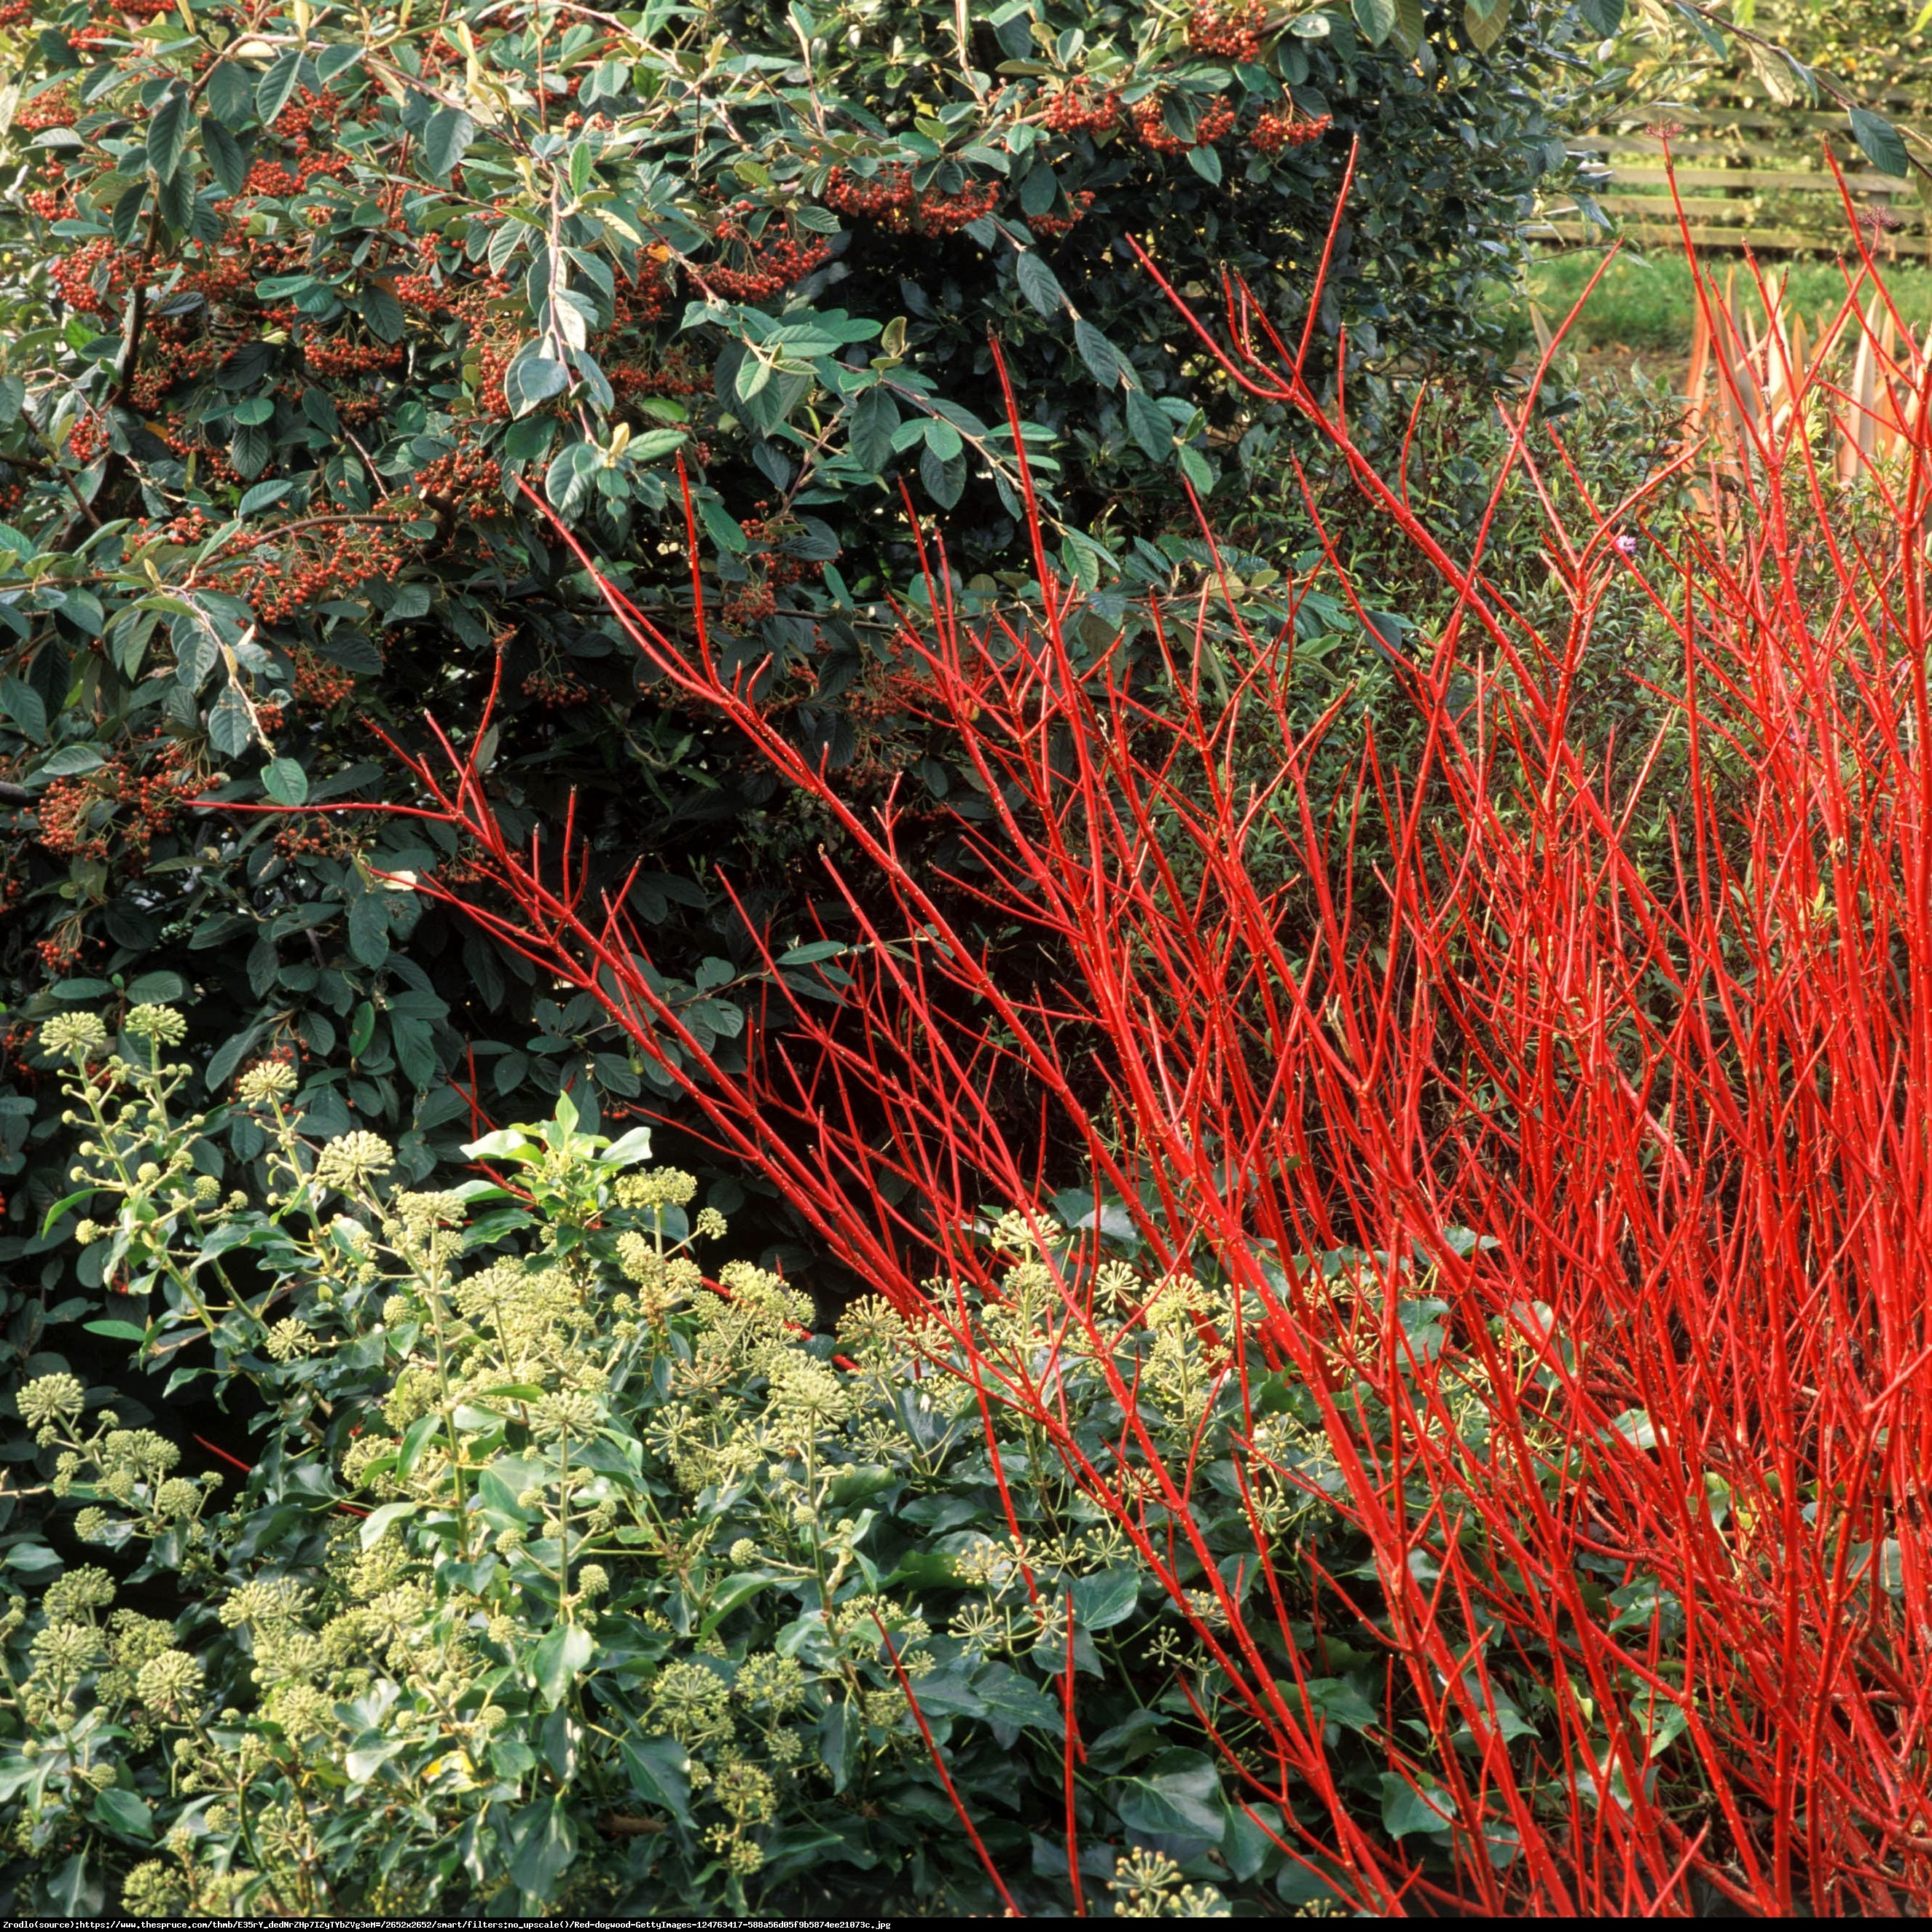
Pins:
<point x="310" y="304"/>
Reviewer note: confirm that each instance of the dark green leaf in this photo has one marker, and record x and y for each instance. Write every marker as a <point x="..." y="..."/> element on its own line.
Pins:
<point x="231" y="727"/>
<point x="543" y="1842"/>
<point x="1039" y="284"/>
<point x="944" y="477"/>
<point x="1177" y="1796"/>
<point x="117" y="1331"/>
<point x="1883" y="146"/>
<point x="382" y="311"/>
<point x="532" y="378"/>
<point x="875" y="417"/>
<point x="1105" y="1598"/>
<point x="445" y="139"/>
<point x="560" y="1659"/>
<point x="1484" y="25"/>
<point x="1405" y="1809"/>
<point x="369" y="929"/>
<point x="1151" y="427"/>
<point x="659" y="1770"/>
<point x="125" y="1814"/>
<point x="1376" y="19"/>
<point x="277" y="86"/>
<point x="24" y="705"/>
<point x="167" y="133"/>
<point x="1101" y="358"/>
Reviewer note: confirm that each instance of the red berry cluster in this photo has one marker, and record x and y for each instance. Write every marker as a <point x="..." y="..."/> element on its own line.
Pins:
<point x="556" y="690"/>
<point x="309" y="115"/>
<point x="78" y="815"/>
<point x="643" y="299"/>
<point x="745" y="604"/>
<point x="53" y="202"/>
<point x="676" y="373"/>
<point x="56" y="108"/>
<point x="774" y="259"/>
<point x="1233" y="33"/>
<point x="890" y="199"/>
<point x="1274" y="132"/>
<point x="297" y="838"/>
<point x="279" y="583"/>
<point x="69" y="824"/>
<point x="1055" y="226"/>
<point x="1077" y="109"/>
<point x="174" y="361"/>
<point x="489" y="327"/>
<point x="1150" y="124"/>
<point x="61" y="953"/>
<point x="88" y="438"/>
<point x="336" y="355"/>
<point x="467" y="484"/>
<point x="319" y="685"/>
<point x="89" y="278"/>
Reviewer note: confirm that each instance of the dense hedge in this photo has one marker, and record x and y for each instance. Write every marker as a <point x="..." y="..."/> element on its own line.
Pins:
<point x="297" y="302"/>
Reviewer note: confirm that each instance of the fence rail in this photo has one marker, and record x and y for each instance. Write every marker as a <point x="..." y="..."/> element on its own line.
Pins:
<point x="1748" y="178"/>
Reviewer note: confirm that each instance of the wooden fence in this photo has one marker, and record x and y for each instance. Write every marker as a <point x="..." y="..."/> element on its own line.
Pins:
<point x="1751" y="178"/>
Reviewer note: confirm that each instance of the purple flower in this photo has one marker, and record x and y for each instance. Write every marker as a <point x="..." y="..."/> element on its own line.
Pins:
<point x="1627" y="544"/>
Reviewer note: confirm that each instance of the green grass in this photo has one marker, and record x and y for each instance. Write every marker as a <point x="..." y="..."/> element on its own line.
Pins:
<point x="1649" y="304"/>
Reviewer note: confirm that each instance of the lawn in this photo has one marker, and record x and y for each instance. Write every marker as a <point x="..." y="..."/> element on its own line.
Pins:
<point x="1644" y="304"/>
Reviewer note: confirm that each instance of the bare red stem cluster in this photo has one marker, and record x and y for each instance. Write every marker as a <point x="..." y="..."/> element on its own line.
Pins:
<point x="1660" y="1134"/>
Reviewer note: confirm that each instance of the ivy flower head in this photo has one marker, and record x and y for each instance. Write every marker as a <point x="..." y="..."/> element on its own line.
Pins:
<point x="49" y="1399"/>
<point x="266" y="1081"/>
<point x="68" y="1596"/>
<point x="690" y="1702"/>
<point x="1014" y="1233"/>
<point x="1147" y="1885"/>
<point x="444" y="1210"/>
<point x="170" y="1682"/>
<point x="565" y="1412"/>
<point x="872" y="1326"/>
<point x="75" y="1036"/>
<point x="661" y="1187"/>
<point x="351" y="1159"/>
<point x="139" y="1452"/>
<point x="289" y="1339"/>
<point x="161" y="1025"/>
<point x="155" y="1890"/>
<point x="63" y="1650"/>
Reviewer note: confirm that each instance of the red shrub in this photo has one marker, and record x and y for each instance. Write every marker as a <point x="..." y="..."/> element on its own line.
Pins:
<point x="1683" y="1108"/>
